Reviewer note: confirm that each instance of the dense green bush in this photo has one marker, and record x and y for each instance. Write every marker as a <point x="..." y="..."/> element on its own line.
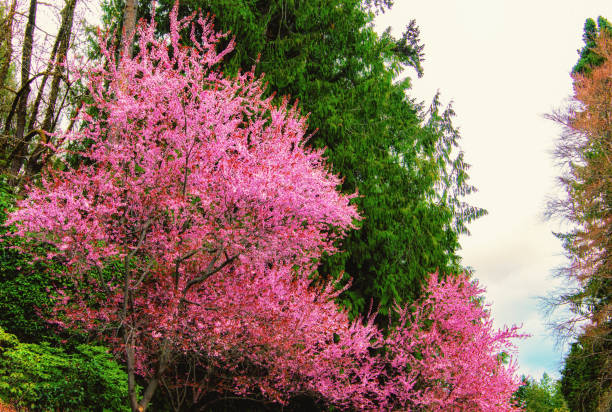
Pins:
<point x="24" y="294"/>
<point x="25" y="284"/>
<point x="45" y="378"/>
<point x="35" y="373"/>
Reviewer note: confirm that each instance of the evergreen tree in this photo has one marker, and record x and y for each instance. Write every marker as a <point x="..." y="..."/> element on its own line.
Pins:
<point x="584" y="376"/>
<point x="588" y="57"/>
<point x="540" y="396"/>
<point x="584" y="152"/>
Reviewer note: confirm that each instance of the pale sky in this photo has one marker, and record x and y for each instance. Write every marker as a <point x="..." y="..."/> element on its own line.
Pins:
<point x="504" y="64"/>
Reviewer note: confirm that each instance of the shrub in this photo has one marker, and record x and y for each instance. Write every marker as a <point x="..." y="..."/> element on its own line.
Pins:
<point x="47" y="378"/>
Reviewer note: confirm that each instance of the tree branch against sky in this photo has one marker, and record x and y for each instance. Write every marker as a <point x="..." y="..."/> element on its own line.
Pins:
<point x="585" y="152"/>
<point x="38" y="104"/>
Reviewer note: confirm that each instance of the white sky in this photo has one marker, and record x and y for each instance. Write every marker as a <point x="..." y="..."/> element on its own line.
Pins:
<point x="504" y="64"/>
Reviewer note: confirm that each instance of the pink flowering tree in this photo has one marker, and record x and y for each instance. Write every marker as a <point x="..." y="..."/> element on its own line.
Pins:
<point x="202" y="197"/>
<point x="196" y="187"/>
<point x="445" y="355"/>
<point x="458" y="361"/>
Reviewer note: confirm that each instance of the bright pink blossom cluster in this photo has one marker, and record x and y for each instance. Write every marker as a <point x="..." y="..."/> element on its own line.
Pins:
<point x="458" y="357"/>
<point x="190" y="229"/>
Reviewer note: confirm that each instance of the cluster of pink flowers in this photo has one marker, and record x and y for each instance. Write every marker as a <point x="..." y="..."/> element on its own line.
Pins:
<point x="204" y="197"/>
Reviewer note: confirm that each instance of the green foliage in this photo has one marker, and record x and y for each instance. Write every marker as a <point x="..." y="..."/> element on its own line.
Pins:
<point x="25" y="284"/>
<point x="45" y="378"/>
<point x="586" y="378"/>
<point x="542" y="396"/>
<point x="37" y="375"/>
<point x="588" y="58"/>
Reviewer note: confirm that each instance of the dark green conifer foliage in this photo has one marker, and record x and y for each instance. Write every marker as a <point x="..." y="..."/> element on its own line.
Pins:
<point x="586" y="375"/>
<point x="401" y="158"/>
<point x="588" y="58"/>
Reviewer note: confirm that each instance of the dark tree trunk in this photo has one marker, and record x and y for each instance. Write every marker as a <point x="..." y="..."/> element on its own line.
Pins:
<point x="153" y="383"/>
<point x="22" y="107"/>
<point x="64" y="35"/>
<point x="129" y="25"/>
<point x="43" y="83"/>
<point x="7" y="38"/>
<point x="48" y="125"/>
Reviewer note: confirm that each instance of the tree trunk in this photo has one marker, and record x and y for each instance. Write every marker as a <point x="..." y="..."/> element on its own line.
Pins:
<point x="152" y="385"/>
<point x="26" y="60"/>
<point x="50" y="65"/>
<point x="64" y="34"/>
<point x="48" y="125"/>
<point x="129" y="25"/>
<point x="7" y="38"/>
<point x="129" y="355"/>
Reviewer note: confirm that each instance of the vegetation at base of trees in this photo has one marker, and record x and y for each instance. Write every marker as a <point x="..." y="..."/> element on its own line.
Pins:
<point x="41" y="369"/>
<point x="540" y="396"/>
<point x="25" y="282"/>
<point x="46" y="378"/>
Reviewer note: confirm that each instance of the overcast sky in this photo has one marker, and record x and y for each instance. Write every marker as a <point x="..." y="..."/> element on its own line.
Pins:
<point x="504" y="64"/>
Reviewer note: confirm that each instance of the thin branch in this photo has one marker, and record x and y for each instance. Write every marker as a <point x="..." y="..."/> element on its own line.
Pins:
<point x="210" y="270"/>
<point x="143" y="235"/>
<point x="145" y="272"/>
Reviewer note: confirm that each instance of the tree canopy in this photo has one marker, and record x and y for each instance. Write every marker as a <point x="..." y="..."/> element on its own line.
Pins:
<point x="544" y="395"/>
<point x="221" y="183"/>
<point x="585" y="377"/>
<point x="589" y="57"/>
<point x="401" y="156"/>
<point x="583" y="151"/>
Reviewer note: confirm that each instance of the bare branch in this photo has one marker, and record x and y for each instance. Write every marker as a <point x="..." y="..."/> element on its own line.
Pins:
<point x="210" y="270"/>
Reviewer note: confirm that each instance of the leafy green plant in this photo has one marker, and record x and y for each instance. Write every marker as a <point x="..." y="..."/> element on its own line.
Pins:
<point x="46" y="378"/>
<point x="585" y="379"/>
<point x="25" y="283"/>
<point x="540" y="396"/>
